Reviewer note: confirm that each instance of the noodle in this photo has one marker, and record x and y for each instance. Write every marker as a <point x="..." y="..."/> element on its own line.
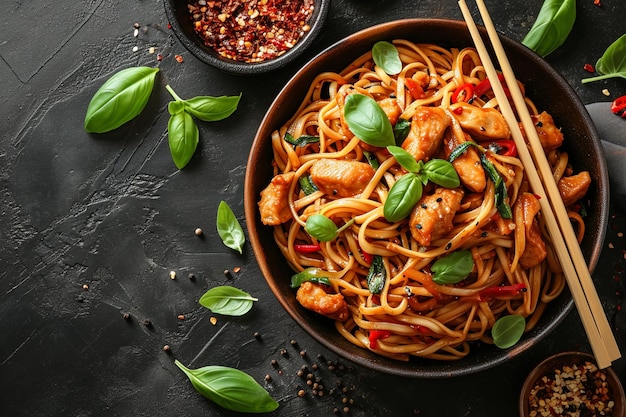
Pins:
<point x="411" y="314"/>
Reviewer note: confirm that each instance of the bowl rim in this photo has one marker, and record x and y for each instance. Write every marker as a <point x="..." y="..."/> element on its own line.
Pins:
<point x="210" y="57"/>
<point x="574" y="357"/>
<point x="380" y="363"/>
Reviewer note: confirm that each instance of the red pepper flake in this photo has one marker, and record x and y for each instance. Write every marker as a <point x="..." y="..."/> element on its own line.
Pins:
<point x="179" y="58"/>
<point x="619" y="106"/>
<point x="159" y="57"/>
<point x="253" y="30"/>
<point x="589" y="68"/>
<point x="597" y="3"/>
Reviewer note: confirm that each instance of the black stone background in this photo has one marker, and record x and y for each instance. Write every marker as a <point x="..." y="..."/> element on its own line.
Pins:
<point x="113" y="213"/>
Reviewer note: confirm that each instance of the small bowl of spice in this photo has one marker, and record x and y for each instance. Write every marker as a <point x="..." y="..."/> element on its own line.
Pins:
<point x="571" y="384"/>
<point x="246" y="37"/>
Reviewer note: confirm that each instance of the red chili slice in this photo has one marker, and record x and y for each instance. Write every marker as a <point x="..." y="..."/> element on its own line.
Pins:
<point x="415" y="89"/>
<point x="307" y="248"/>
<point x="376" y="335"/>
<point x="504" y="290"/>
<point x="485" y="85"/>
<point x="506" y="147"/>
<point x="619" y="106"/>
<point x="464" y="92"/>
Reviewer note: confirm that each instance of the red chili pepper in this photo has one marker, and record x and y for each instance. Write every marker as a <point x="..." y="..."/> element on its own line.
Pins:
<point x="485" y="85"/>
<point x="503" y="290"/>
<point x="415" y="89"/>
<point x="376" y="335"/>
<point x="458" y="110"/>
<point x="619" y="106"/>
<point x="367" y="257"/>
<point x="307" y="248"/>
<point x="505" y="147"/>
<point x="464" y="92"/>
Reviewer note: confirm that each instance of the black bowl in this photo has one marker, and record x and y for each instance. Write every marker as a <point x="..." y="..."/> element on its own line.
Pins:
<point x="548" y="90"/>
<point x="178" y="15"/>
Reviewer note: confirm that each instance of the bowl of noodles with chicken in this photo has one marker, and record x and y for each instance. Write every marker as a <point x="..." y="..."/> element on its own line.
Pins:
<point x="390" y="213"/>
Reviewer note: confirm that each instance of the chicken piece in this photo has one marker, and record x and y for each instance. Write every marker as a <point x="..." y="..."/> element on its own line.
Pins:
<point x="432" y="216"/>
<point x="525" y="210"/>
<point x="481" y="123"/>
<point x="391" y="108"/>
<point x="428" y="126"/>
<point x="550" y="136"/>
<point x="274" y="204"/>
<point x="468" y="165"/>
<point x="313" y="297"/>
<point x="574" y="187"/>
<point x="341" y="178"/>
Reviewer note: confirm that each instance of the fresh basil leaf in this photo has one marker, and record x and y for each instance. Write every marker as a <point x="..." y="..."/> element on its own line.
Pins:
<point x="612" y="63"/>
<point x="401" y="130"/>
<point x="386" y="56"/>
<point x="552" y="26"/>
<point x="377" y="275"/>
<point x="460" y="150"/>
<point x="307" y="185"/>
<point x="229" y="229"/>
<point x="508" y="330"/>
<point x="120" y="99"/>
<point x="183" y="137"/>
<point x="230" y="388"/>
<point x="367" y="120"/>
<point x="405" y="159"/>
<point x="227" y="300"/>
<point x="402" y="197"/>
<point x="452" y="268"/>
<point x="371" y="159"/>
<point x="175" y="107"/>
<point x="500" y="196"/>
<point x="316" y="275"/>
<point x="211" y="109"/>
<point x="302" y="141"/>
<point x="321" y="227"/>
<point x="442" y="173"/>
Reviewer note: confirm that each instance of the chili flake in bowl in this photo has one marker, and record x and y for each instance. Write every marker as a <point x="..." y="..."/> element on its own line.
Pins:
<point x="246" y="37"/>
<point x="571" y="384"/>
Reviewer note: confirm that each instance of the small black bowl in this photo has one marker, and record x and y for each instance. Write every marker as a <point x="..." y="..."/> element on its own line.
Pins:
<point x="178" y="15"/>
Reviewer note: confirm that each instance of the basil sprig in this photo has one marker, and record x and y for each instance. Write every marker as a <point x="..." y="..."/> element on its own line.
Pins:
<point x="230" y="388"/>
<point x="508" y="330"/>
<point x="182" y="130"/>
<point x="452" y="268"/>
<point x="500" y="187"/>
<point x="324" y="229"/>
<point x="120" y="99"/>
<point x="227" y="300"/>
<point x="552" y="26"/>
<point x="316" y="275"/>
<point x="386" y="56"/>
<point x="406" y="192"/>
<point x="612" y="63"/>
<point x="229" y="229"/>
<point x="368" y="121"/>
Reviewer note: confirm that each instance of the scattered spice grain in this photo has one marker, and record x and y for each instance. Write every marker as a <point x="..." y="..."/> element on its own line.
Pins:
<point x="198" y="231"/>
<point x="172" y="274"/>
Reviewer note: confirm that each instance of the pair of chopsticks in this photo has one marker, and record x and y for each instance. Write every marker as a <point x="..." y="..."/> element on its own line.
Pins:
<point x="568" y="250"/>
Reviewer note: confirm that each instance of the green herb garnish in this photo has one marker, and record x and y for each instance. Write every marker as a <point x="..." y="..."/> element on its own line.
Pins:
<point x="227" y="300"/>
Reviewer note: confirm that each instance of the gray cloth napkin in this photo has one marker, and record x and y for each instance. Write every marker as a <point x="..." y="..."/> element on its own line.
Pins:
<point x="612" y="131"/>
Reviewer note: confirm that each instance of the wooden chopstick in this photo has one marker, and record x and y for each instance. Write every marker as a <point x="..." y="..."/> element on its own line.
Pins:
<point x="566" y="245"/>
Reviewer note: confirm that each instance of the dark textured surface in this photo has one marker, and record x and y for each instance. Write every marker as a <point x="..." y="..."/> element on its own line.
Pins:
<point x="112" y="212"/>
